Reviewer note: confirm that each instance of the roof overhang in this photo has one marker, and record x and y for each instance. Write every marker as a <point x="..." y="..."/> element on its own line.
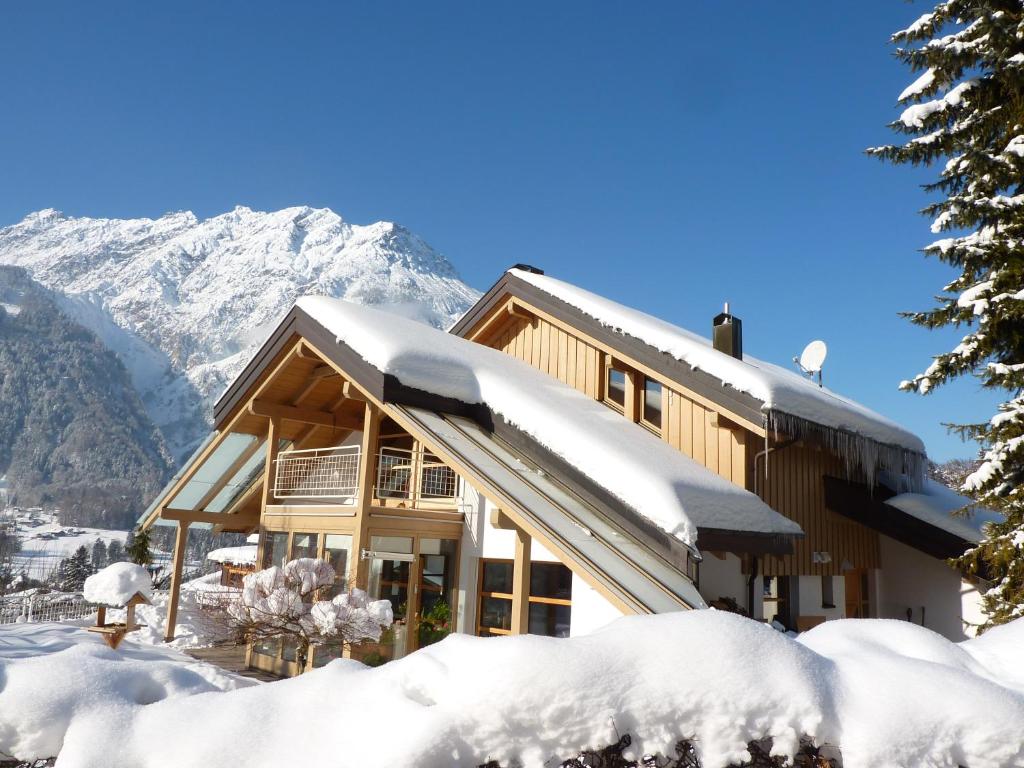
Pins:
<point x="867" y="506"/>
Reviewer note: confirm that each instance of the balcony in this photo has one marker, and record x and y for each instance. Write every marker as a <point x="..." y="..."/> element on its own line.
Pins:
<point x="402" y="477"/>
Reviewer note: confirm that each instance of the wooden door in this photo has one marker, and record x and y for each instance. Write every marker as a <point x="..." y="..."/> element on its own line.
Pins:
<point x="858" y="604"/>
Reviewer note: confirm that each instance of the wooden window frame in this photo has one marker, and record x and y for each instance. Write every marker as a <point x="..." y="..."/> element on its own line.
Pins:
<point x="642" y="397"/>
<point x="482" y="631"/>
<point x="606" y="386"/>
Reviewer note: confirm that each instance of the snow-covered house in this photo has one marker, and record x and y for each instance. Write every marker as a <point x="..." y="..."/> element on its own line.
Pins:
<point x="554" y="461"/>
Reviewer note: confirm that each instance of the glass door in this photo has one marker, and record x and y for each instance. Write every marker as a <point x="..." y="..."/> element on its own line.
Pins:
<point x="417" y="576"/>
<point x="435" y="590"/>
<point x="390" y="578"/>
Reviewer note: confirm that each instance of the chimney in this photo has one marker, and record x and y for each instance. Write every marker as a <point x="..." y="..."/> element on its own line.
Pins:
<point x="727" y="334"/>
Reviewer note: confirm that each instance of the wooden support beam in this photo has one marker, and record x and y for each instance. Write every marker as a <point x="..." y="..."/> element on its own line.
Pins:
<point x="273" y="439"/>
<point x="322" y="372"/>
<point x="517" y="311"/>
<point x="180" y="542"/>
<point x="215" y="518"/>
<point x="296" y="413"/>
<point x="303" y="351"/>
<point x="632" y="404"/>
<point x="521" y="584"/>
<point x="349" y="392"/>
<point x="367" y="472"/>
<point x="502" y="521"/>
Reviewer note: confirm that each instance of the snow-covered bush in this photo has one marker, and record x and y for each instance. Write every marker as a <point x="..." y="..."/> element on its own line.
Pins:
<point x="282" y="603"/>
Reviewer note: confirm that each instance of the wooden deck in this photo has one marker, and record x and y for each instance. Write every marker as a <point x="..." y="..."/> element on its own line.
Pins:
<point x="232" y="659"/>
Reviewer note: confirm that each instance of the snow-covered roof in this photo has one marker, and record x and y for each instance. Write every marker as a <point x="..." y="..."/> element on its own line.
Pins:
<point x="117" y="584"/>
<point x="936" y="505"/>
<point x="243" y="555"/>
<point x="665" y="486"/>
<point x="786" y="395"/>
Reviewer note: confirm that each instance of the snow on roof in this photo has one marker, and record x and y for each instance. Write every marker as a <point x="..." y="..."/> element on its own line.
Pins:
<point x="668" y="488"/>
<point x="935" y="505"/>
<point x="243" y="555"/>
<point x="781" y="391"/>
<point x="117" y="584"/>
<point x="887" y="693"/>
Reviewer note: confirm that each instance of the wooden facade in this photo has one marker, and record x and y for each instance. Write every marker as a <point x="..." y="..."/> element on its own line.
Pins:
<point x="791" y="480"/>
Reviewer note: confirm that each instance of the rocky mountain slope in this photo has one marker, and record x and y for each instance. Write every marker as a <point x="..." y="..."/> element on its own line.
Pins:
<point x="183" y="302"/>
<point x="73" y="431"/>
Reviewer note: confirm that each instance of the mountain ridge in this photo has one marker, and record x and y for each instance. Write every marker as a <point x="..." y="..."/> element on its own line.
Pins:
<point x="184" y="301"/>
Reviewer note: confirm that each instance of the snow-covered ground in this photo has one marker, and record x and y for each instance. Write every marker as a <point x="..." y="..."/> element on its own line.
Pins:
<point x="886" y="692"/>
<point x="54" y="676"/>
<point x="47" y="542"/>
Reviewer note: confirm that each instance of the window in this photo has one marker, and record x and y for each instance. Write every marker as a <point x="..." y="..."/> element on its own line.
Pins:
<point x="304" y="545"/>
<point x="550" y="599"/>
<point x="615" y="387"/>
<point x="336" y="551"/>
<point x="828" y="599"/>
<point x="652" y="394"/>
<point x="776" y="599"/>
<point x="275" y="549"/>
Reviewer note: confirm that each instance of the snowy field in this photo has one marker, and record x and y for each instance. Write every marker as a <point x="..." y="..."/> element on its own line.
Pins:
<point x="45" y="544"/>
<point x="887" y="693"/>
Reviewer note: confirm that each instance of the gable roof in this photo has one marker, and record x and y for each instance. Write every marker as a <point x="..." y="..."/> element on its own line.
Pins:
<point x="779" y="399"/>
<point x="415" y="364"/>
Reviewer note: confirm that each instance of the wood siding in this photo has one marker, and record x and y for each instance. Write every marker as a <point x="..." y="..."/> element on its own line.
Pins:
<point x="694" y="429"/>
<point x="794" y="485"/>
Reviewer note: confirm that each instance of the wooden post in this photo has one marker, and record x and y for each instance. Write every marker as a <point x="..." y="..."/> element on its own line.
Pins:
<point x="179" y="560"/>
<point x="632" y="403"/>
<point x="273" y="438"/>
<point x="521" y="584"/>
<point x="367" y="472"/>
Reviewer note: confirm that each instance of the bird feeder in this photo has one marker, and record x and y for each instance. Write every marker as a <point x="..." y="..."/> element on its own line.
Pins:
<point x="113" y="632"/>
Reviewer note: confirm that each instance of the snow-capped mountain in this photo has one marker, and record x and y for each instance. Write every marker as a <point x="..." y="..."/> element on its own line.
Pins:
<point x="183" y="302"/>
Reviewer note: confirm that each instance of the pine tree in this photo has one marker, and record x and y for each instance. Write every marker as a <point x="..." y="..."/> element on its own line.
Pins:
<point x="966" y="108"/>
<point x="99" y="555"/>
<point x="75" y="570"/>
<point x="115" y="552"/>
<point x="138" y="547"/>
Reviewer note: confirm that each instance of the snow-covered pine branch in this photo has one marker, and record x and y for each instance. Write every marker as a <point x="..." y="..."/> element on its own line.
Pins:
<point x="966" y="107"/>
<point x="283" y="603"/>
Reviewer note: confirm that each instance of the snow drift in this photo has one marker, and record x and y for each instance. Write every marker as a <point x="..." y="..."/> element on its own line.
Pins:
<point x="885" y="692"/>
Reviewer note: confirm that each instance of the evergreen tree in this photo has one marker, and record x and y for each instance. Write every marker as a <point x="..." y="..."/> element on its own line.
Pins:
<point x="966" y="108"/>
<point x="115" y="552"/>
<point x="99" y="555"/>
<point x="74" y="570"/>
<point x="138" y="549"/>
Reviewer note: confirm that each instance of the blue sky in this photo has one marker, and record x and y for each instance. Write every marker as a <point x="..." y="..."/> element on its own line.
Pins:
<point x="668" y="155"/>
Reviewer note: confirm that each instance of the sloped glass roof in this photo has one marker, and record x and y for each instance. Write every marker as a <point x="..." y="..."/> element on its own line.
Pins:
<point x="212" y="470"/>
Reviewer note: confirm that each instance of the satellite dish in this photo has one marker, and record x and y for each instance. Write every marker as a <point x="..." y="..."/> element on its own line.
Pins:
<point x="813" y="356"/>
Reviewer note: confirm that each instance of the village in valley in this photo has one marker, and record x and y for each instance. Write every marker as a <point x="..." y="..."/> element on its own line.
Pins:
<point x="624" y="484"/>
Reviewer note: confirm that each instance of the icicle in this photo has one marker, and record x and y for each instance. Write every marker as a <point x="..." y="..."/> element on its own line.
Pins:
<point x="862" y="456"/>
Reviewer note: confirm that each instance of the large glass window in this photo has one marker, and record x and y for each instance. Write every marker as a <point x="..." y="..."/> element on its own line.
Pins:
<point x="550" y="599"/>
<point x="337" y="547"/>
<point x="305" y="545"/>
<point x="275" y="549"/>
<point x="652" y="403"/>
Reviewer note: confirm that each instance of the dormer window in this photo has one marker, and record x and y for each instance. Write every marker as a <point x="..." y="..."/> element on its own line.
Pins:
<point x="652" y="404"/>
<point x="615" y="387"/>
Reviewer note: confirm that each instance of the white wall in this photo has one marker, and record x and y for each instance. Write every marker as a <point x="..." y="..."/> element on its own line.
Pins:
<point x="911" y="579"/>
<point x="590" y="609"/>
<point x="811" y="597"/>
<point x="724" y="578"/>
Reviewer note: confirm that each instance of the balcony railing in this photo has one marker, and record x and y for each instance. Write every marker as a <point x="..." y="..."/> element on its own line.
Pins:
<point x="333" y="473"/>
<point x="318" y="473"/>
<point x="414" y="475"/>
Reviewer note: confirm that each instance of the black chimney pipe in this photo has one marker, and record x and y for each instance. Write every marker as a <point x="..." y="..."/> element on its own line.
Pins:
<point x="727" y="334"/>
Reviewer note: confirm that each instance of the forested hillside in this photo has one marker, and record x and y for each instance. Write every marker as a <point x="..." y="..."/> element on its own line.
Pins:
<point x="73" y="432"/>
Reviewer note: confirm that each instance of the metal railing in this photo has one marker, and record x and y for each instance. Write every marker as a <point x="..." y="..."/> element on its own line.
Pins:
<point x="415" y="475"/>
<point x="48" y="607"/>
<point x="317" y="473"/>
